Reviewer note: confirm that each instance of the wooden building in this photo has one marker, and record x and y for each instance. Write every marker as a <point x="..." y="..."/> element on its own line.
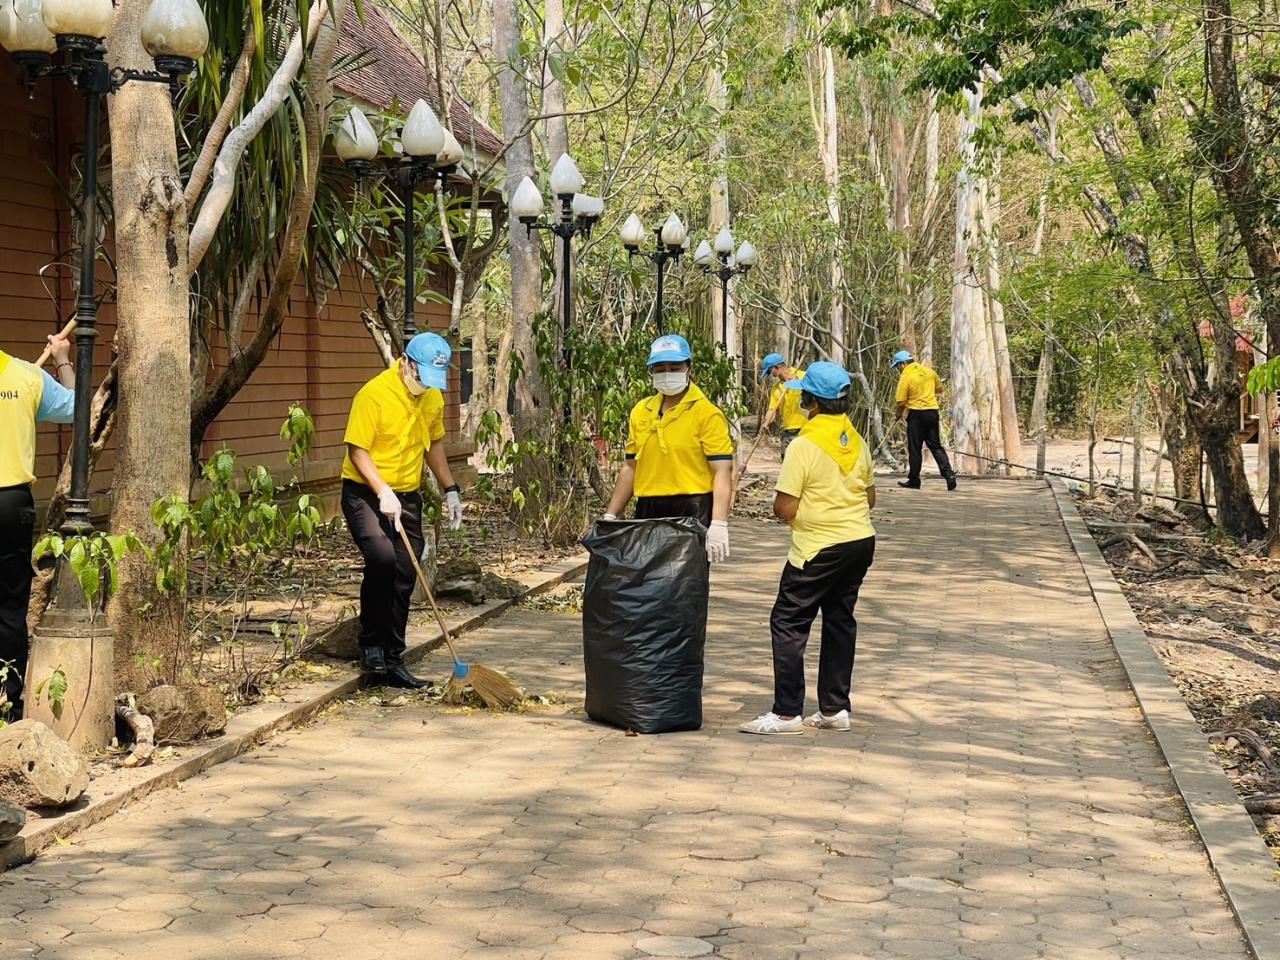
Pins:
<point x="324" y="352"/>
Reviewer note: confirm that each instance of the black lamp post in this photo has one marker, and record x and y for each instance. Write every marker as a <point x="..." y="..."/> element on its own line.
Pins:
<point x="33" y="31"/>
<point x="428" y="150"/>
<point x="672" y="238"/>
<point x="578" y="214"/>
<point x="724" y="265"/>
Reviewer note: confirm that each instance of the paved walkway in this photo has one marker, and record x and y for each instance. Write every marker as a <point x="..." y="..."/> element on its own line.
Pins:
<point x="998" y="798"/>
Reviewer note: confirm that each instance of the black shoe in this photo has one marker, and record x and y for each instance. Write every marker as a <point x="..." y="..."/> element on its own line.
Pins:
<point x="399" y="676"/>
<point x="908" y="485"/>
<point x="951" y="482"/>
<point x="373" y="662"/>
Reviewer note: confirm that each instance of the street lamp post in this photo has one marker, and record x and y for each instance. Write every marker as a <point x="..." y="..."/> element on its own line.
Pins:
<point x="720" y="261"/>
<point x="428" y="149"/>
<point x="175" y="34"/>
<point x="578" y="214"/>
<point x="672" y="240"/>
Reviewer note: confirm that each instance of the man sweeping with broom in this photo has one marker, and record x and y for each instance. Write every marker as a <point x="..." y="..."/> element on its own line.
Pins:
<point x="395" y="424"/>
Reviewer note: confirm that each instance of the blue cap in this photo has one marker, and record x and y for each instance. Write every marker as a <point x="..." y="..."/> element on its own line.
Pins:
<point x="902" y="356"/>
<point x="669" y="348"/>
<point x="823" y="379"/>
<point x="769" y="362"/>
<point x="431" y="352"/>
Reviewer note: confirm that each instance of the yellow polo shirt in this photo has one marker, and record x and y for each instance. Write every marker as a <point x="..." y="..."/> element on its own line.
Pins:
<point x="918" y="387"/>
<point x="833" y="504"/>
<point x="396" y="428"/>
<point x="674" y="451"/>
<point x="793" y="418"/>
<point x="27" y="394"/>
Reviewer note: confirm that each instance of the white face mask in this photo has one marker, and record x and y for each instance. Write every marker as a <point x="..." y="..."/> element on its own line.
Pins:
<point x="410" y="381"/>
<point x="672" y="383"/>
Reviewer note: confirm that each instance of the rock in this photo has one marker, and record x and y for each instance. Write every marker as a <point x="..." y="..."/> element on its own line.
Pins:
<point x="478" y="589"/>
<point x="184" y="714"/>
<point x="458" y="568"/>
<point x="342" y="640"/>
<point x="38" y="768"/>
<point x="12" y="820"/>
<point x="1224" y="582"/>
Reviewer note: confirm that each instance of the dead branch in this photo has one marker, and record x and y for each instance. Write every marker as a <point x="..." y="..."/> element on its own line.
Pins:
<point x="144" y="731"/>
<point x="1257" y="746"/>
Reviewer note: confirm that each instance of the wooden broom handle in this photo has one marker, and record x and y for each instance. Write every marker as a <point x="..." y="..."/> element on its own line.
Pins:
<point x="422" y="578"/>
<point x="69" y="329"/>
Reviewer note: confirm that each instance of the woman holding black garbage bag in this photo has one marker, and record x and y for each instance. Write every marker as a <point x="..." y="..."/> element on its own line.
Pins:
<point x="679" y="454"/>
<point x="644" y="609"/>
<point x="825" y="492"/>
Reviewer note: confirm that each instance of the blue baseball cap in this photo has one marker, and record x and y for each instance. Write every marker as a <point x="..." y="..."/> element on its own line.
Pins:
<point x="669" y="348"/>
<point x="431" y="352"/>
<point x="902" y="356"/>
<point x="823" y="379"/>
<point x="769" y="362"/>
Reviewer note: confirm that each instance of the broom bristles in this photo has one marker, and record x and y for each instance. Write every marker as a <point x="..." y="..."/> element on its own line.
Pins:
<point x="495" y="689"/>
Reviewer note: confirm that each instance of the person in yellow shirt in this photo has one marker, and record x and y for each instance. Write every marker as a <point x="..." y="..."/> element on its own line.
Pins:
<point x="825" y="492"/>
<point x="917" y="399"/>
<point x="27" y="395"/>
<point x="679" y="457"/>
<point x="396" y="421"/>
<point x="782" y="401"/>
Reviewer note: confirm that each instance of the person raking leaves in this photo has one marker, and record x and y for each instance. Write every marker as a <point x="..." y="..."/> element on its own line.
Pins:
<point x="825" y="492"/>
<point x="679" y="456"/>
<point x="27" y="395"/>
<point x="783" y="402"/>
<point x="917" y="398"/>
<point x="396" y="421"/>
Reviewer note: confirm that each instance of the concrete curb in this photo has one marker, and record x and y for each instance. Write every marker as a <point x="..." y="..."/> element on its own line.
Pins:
<point x="109" y="794"/>
<point x="1243" y="864"/>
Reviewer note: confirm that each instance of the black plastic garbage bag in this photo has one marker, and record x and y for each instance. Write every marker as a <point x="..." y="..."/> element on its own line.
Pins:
<point x="644" y="623"/>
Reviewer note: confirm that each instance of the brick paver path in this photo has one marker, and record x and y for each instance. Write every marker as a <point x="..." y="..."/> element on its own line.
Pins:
<point x="998" y="798"/>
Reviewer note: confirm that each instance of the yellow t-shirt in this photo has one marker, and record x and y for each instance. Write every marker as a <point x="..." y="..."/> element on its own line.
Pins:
<point x="833" y="505"/>
<point x="793" y="418"/>
<point x="396" y="428"/>
<point x="21" y="386"/>
<point x="674" y="451"/>
<point x="918" y="387"/>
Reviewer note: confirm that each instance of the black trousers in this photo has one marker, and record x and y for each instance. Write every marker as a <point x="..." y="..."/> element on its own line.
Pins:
<point x="829" y="582"/>
<point x="388" y="570"/>
<point x="696" y="505"/>
<point x="922" y="431"/>
<point x="17" y="529"/>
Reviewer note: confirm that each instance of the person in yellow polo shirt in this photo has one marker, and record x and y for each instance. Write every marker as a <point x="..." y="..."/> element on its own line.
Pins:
<point x="781" y="400"/>
<point x="917" y="398"/>
<point x="27" y="395"/>
<point x="396" y="421"/>
<point x="825" y="492"/>
<point x="679" y="453"/>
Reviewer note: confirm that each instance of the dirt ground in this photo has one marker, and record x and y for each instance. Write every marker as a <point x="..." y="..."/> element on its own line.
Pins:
<point x="1211" y="610"/>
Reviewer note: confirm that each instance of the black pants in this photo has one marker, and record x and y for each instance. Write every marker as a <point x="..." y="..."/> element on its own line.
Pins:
<point x="696" y="505"/>
<point x="17" y="529"/>
<point x="830" y="583"/>
<point x="922" y="430"/>
<point x="388" y="570"/>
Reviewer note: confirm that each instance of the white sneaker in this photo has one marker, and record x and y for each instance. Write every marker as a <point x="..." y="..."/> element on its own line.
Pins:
<point x="772" y="725"/>
<point x="838" y="721"/>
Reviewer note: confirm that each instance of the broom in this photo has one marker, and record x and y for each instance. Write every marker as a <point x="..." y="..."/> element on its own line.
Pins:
<point x="66" y="331"/>
<point x="496" y="690"/>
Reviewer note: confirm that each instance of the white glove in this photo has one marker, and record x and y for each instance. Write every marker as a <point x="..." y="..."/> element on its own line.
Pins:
<point x="389" y="504"/>
<point x="454" y="503"/>
<point x="718" y="541"/>
<point x="609" y="516"/>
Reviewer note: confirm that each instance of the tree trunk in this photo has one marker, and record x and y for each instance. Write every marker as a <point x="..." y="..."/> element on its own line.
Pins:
<point x="928" y="224"/>
<point x="723" y="322"/>
<point x="829" y="148"/>
<point x="1040" y="403"/>
<point x="153" y="339"/>
<point x="966" y="423"/>
<point x="555" y="133"/>
<point x="1008" y="406"/>
<point x="900" y="201"/>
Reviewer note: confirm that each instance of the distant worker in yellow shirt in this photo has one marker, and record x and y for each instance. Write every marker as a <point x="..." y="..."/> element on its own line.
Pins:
<point x="825" y="492"/>
<point x="918" y="390"/>
<point x="781" y="400"/>
<point x="396" y="422"/>
<point x="27" y="395"/>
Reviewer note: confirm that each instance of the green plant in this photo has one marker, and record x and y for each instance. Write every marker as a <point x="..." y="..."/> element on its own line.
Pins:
<point x="94" y="558"/>
<point x="300" y="430"/>
<point x="55" y="686"/>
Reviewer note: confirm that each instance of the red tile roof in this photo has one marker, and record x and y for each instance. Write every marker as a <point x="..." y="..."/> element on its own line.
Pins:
<point x="393" y="70"/>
